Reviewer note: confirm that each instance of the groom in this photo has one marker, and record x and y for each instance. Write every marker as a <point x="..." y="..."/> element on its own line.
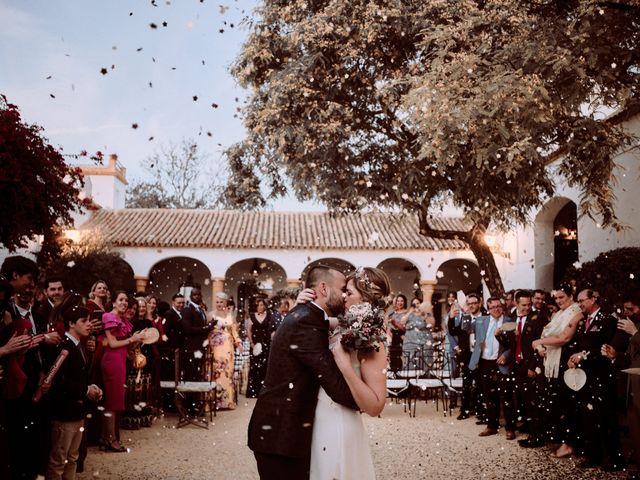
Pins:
<point x="299" y="363"/>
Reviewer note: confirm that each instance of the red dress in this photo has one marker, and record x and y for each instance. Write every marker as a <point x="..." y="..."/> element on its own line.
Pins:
<point x="114" y="362"/>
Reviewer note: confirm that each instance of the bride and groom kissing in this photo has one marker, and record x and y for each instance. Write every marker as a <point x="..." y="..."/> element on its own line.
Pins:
<point x="306" y="422"/>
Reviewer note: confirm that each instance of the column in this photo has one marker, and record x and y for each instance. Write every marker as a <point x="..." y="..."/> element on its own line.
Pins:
<point x="141" y="283"/>
<point x="217" y="285"/>
<point x="428" y="287"/>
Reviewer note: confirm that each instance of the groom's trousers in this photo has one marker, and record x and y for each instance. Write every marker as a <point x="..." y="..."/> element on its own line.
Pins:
<point x="276" y="467"/>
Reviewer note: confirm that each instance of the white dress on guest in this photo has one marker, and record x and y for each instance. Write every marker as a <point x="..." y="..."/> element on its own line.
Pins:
<point x="339" y="446"/>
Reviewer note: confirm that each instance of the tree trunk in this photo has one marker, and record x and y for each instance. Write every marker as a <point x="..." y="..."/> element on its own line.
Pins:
<point x="486" y="261"/>
<point x="475" y="239"/>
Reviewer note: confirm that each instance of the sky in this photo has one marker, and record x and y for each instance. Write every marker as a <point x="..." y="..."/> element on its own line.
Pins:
<point x="52" y="56"/>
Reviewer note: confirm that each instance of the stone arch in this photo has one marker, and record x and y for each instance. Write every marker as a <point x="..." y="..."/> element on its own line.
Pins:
<point x="458" y="274"/>
<point x="556" y="241"/>
<point x="336" y="263"/>
<point x="175" y="274"/>
<point x="404" y="276"/>
<point x="251" y="278"/>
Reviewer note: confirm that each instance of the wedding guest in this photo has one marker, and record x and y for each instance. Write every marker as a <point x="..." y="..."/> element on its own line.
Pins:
<point x="69" y="393"/>
<point x="452" y="340"/>
<point x="278" y="316"/>
<point x="26" y="420"/>
<point x="156" y="367"/>
<point x="99" y="297"/>
<point x="223" y="341"/>
<point x="259" y="329"/>
<point x="461" y="325"/>
<point x="54" y="290"/>
<point x="396" y="332"/>
<point x="142" y="321"/>
<point x="174" y="339"/>
<point x="494" y="362"/>
<point x="529" y="381"/>
<point x="117" y="334"/>
<point x="556" y="345"/>
<point x="539" y="304"/>
<point x="196" y="329"/>
<point x="597" y="399"/>
<point x="418" y="336"/>
<point x="630" y="358"/>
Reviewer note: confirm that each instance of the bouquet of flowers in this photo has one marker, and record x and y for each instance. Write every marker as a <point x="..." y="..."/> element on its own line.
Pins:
<point x="362" y="328"/>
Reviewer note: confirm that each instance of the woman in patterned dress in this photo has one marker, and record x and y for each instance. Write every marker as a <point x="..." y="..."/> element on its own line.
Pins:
<point x="223" y="340"/>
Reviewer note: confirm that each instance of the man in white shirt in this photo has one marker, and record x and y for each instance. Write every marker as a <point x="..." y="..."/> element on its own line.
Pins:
<point x="494" y="363"/>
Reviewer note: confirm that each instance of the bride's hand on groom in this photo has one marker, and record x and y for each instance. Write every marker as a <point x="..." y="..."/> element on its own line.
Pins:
<point x="340" y="355"/>
<point x="305" y="296"/>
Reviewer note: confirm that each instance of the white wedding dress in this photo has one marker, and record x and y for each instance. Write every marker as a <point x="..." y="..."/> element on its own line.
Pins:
<point x="339" y="446"/>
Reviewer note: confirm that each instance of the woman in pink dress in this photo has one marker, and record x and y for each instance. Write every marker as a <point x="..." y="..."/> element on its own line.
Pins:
<point x="117" y="339"/>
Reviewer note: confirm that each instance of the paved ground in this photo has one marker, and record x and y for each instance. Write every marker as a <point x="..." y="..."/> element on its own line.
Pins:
<point x="430" y="446"/>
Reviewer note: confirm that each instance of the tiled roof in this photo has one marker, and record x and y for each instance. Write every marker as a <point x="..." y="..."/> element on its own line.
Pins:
<point x="139" y="227"/>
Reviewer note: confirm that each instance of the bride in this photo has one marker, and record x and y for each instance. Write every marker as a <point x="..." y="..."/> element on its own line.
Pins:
<point x="340" y="446"/>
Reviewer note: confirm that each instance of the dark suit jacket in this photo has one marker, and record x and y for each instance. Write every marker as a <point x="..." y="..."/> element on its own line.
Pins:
<point x="299" y="363"/>
<point x="601" y="330"/>
<point x="173" y="330"/>
<point x="533" y="326"/>
<point x="68" y="393"/>
<point x="462" y="327"/>
<point x="195" y="327"/>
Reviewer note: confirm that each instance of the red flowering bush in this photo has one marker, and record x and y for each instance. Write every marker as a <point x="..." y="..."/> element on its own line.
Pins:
<point x="38" y="190"/>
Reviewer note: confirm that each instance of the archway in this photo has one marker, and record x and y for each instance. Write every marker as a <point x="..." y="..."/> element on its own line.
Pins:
<point x="403" y="275"/>
<point x="335" y="263"/>
<point x="458" y="274"/>
<point x="565" y="241"/>
<point x="170" y="275"/>
<point x="556" y="241"/>
<point x="252" y="278"/>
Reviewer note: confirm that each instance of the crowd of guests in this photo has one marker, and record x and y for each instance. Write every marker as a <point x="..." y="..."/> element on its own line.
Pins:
<point x="521" y="358"/>
<point x="73" y="370"/>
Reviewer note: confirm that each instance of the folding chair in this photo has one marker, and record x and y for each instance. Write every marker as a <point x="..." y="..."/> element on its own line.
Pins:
<point x="207" y="388"/>
<point x="422" y="386"/>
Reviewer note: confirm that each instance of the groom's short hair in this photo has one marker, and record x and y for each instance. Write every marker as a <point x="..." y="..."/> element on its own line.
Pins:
<point x="319" y="273"/>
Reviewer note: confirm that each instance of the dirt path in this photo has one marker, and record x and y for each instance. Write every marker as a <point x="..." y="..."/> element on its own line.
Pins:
<point x="430" y="446"/>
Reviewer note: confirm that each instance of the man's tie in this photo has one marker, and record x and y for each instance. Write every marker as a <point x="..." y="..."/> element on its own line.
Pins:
<point x="588" y="322"/>
<point x="518" y="341"/>
<point x="490" y="332"/>
<point x="27" y="316"/>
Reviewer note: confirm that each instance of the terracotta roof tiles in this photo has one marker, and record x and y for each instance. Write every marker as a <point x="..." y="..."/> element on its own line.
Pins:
<point x="139" y="227"/>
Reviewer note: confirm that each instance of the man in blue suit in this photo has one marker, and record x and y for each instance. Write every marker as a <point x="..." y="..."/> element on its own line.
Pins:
<point x="494" y="363"/>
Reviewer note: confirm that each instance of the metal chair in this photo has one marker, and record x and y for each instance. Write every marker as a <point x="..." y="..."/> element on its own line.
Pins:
<point x="207" y="388"/>
<point x="429" y="384"/>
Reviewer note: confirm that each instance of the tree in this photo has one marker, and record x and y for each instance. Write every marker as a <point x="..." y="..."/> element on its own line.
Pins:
<point x="38" y="190"/>
<point x="88" y="260"/>
<point x="612" y="274"/>
<point x="414" y="105"/>
<point x="179" y="179"/>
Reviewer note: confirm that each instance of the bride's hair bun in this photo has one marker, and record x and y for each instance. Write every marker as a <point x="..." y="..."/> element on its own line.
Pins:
<point x="373" y="284"/>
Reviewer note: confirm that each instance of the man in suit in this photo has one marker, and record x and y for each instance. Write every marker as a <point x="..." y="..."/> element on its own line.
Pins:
<point x="26" y="425"/>
<point x="494" y="362"/>
<point x="597" y="399"/>
<point x="172" y="324"/>
<point x="539" y="304"/>
<point x="300" y="362"/>
<point x="195" y="329"/>
<point x="68" y="395"/>
<point x="529" y="380"/>
<point x="461" y="326"/>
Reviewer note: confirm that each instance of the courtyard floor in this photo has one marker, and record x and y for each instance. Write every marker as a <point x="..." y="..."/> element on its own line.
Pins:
<point x="430" y="446"/>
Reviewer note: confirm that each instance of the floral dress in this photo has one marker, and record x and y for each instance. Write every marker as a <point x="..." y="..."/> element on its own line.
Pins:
<point x="222" y="340"/>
